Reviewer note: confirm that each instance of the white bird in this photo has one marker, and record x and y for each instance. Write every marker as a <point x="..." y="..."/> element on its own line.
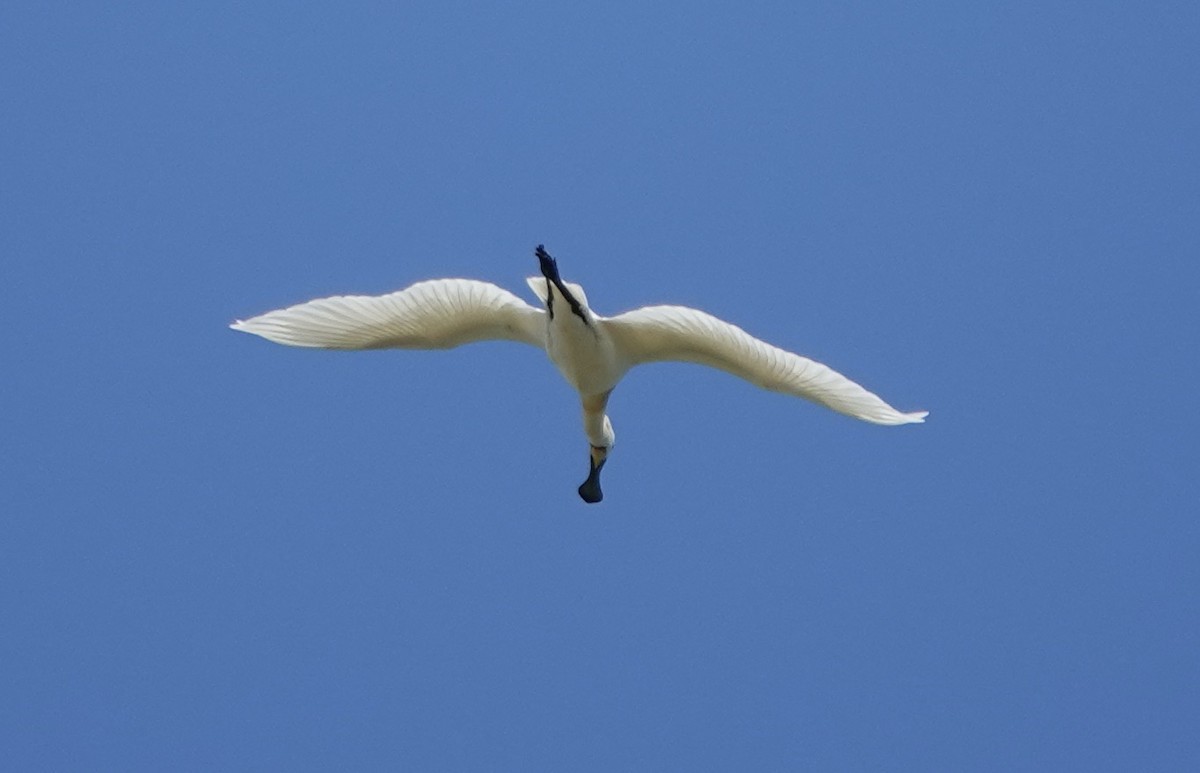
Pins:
<point x="592" y="352"/>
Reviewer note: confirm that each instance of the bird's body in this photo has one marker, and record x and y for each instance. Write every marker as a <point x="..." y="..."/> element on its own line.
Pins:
<point x="581" y="350"/>
<point x="592" y="352"/>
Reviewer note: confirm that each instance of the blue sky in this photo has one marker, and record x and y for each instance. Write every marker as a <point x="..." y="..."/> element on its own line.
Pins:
<point x="217" y="553"/>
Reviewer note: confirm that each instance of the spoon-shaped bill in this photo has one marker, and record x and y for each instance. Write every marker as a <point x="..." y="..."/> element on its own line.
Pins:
<point x="589" y="490"/>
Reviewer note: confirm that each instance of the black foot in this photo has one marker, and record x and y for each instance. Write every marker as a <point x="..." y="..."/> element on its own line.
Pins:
<point x="548" y="264"/>
<point x="549" y="267"/>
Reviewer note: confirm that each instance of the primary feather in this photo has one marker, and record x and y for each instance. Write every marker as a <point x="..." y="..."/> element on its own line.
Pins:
<point x="437" y="314"/>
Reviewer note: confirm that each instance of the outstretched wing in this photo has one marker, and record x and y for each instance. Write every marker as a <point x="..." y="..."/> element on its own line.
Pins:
<point x="437" y="314"/>
<point x="658" y="333"/>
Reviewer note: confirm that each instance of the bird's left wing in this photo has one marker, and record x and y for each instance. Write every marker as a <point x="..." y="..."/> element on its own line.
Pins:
<point x="657" y="333"/>
<point x="437" y="314"/>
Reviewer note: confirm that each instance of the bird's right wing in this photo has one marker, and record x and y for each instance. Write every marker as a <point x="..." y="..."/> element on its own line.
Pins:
<point x="658" y="333"/>
<point x="437" y="314"/>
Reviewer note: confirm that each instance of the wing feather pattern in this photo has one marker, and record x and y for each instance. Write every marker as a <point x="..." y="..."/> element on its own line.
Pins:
<point x="661" y="333"/>
<point x="436" y="314"/>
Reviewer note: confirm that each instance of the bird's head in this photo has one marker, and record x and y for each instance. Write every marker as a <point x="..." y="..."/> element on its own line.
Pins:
<point x="589" y="490"/>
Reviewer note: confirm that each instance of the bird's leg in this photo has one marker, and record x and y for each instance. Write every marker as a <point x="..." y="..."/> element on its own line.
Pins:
<point x="549" y="268"/>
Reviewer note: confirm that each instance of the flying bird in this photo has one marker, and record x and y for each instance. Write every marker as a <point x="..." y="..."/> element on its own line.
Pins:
<point x="592" y="352"/>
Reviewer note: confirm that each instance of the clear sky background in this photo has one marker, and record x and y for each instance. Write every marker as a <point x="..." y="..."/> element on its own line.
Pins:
<point x="219" y="553"/>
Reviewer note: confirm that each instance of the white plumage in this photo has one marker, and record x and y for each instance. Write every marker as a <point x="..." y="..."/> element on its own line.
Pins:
<point x="592" y="352"/>
<point x="437" y="314"/>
